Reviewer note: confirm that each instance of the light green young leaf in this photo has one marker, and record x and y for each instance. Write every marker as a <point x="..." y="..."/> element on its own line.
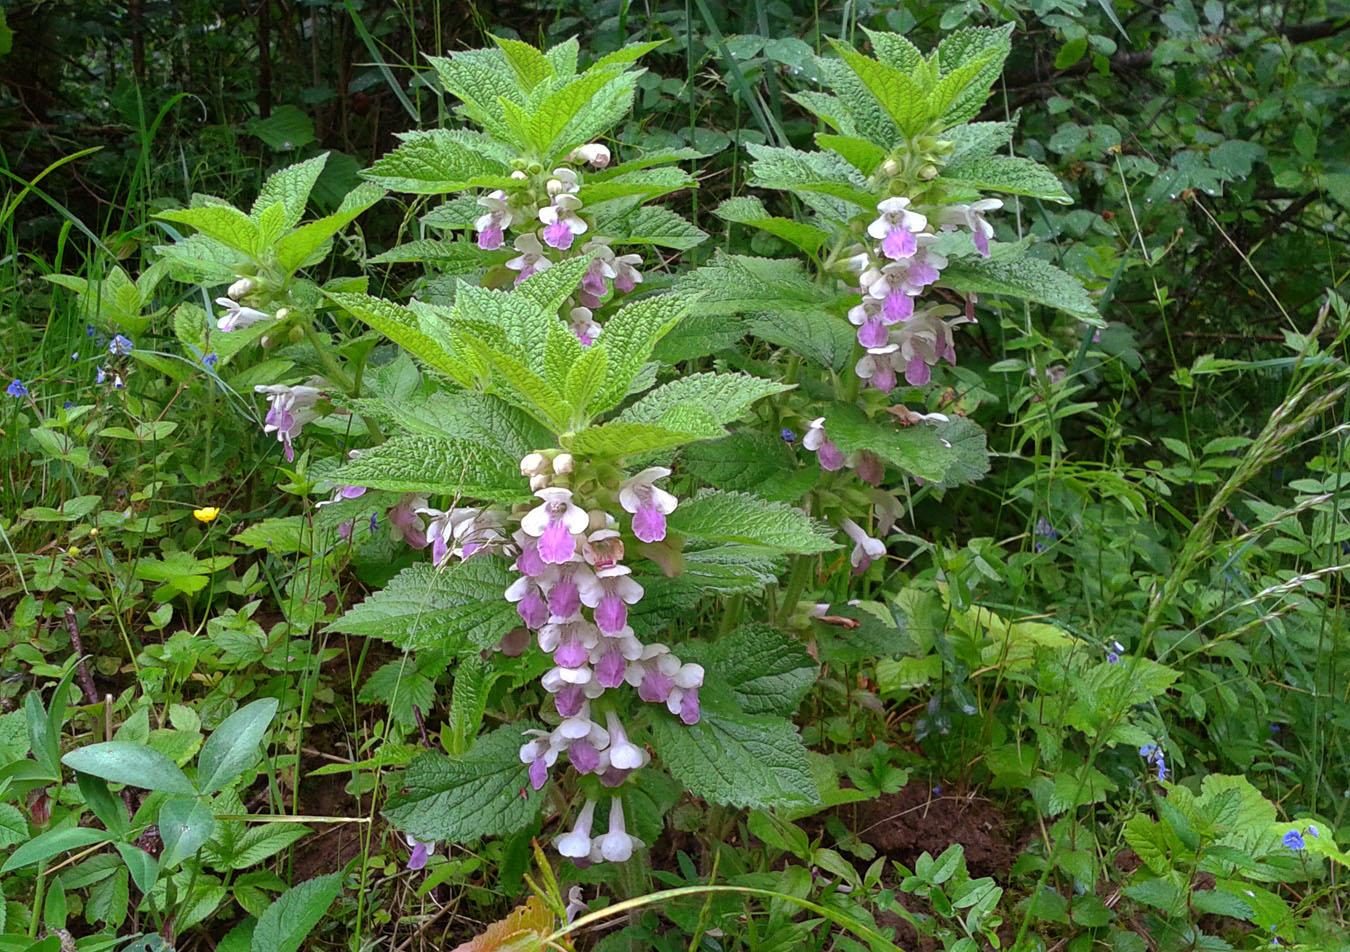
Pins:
<point x="751" y="211"/>
<point x="736" y="759"/>
<point x="1025" y="278"/>
<point x="531" y="67"/>
<point x="271" y="225"/>
<point x="586" y="377"/>
<point x="600" y="113"/>
<point x="628" y="54"/>
<point x="439" y="161"/>
<point x="895" y="51"/>
<point x="547" y="290"/>
<point x="651" y="225"/>
<point x="419" y="464"/>
<point x="1010" y="175"/>
<point x="310" y="242"/>
<point x="573" y="99"/>
<point x="724" y="397"/>
<point x="830" y="109"/>
<point x="480" y="78"/>
<point x="967" y="45"/>
<point x="630" y="334"/>
<point x="647" y="183"/>
<point x="458" y="609"/>
<point x="862" y="155"/>
<point x="866" y="117"/>
<point x="963" y="83"/>
<point x="618" y="439"/>
<point x="563" y="57"/>
<point x="286" y="923"/>
<point x="223" y="223"/>
<point x="291" y="187"/>
<point x="903" y="99"/>
<point x="474" y="678"/>
<point x="402" y="327"/>
<point x="514" y="381"/>
<point x="466" y="415"/>
<point x="740" y="517"/>
<point x="462" y="799"/>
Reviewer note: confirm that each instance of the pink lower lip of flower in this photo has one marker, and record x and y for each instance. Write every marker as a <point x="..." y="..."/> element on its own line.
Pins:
<point x="898" y="243"/>
<point x="417" y="859"/>
<point x="655" y="687"/>
<point x="529" y="563"/>
<point x="538" y="773"/>
<point x="571" y="654"/>
<point x="830" y="458"/>
<point x="921" y="273"/>
<point x="917" y="372"/>
<point x="491" y="237"/>
<point x="884" y="380"/>
<point x="594" y="283"/>
<point x="610" y="670"/>
<point x="438" y="550"/>
<point x="689" y="709"/>
<point x="611" y="614"/>
<point x="898" y="306"/>
<point x="584" y="757"/>
<point x="625" y="284"/>
<point x="614" y="776"/>
<point x="981" y="242"/>
<point x="568" y="700"/>
<point x="556" y="545"/>
<point x="649" y="524"/>
<point x="558" y="235"/>
<point x="872" y="334"/>
<point x="532" y="610"/>
<point x="564" y="598"/>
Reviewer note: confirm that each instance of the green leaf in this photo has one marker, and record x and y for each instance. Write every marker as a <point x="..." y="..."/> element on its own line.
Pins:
<point x="563" y="57"/>
<point x="222" y="223"/>
<point x="977" y="140"/>
<point x="740" y="283"/>
<point x="419" y="464"/>
<point x="143" y="867"/>
<point x="724" y="397"/>
<point x="627" y="54"/>
<point x="652" y="225"/>
<point x="285" y="130"/>
<point x="466" y="415"/>
<point x="439" y="161"/>
<point x="233" y="746"/>
<point x="586" y="377"/>
<point x="286" y="535"/>
<point x="263" y="841"/>
<point x="13" y="826"/>
<point x="751" y="211"/>
<point x="821" y="173"/>
<point x="531" y="66"/>
<point x="474" y="678"/>
<point x="767" y="671"/>
<point x="285" y="924"/>
<point x="461" y="799"/>
<point x="989" y="46"/>
<point x="917" y="449"/>
<point x="598" y="114"/>
<point x="816" y="335"/>
<point x="740" y="760"/>
<point x="402" y="327"/>
<point x="1013" y="176"/>
<point x="862" y="155"/>
<point x="741" y="517"/>
<point x="185" y="824"/>
<point x="903" y="99"/>
<point x="630" y="334"/>
<point x="1216" y="902"/>
<point x="1025" y="278"/>
<point x="619" y="439"/>
<point x="308" y="242"/>
<point x="895" y="51"/>
<point x="452" y="256"/>
<point x="291" y="187"/>
<point x="969" y="460"/>
<point x="458" y="609"/>
<point x="46" y="845"/>
<point x="516" y="382"/>
<point x="647" y="183"/>
<point x="134" y="764"/>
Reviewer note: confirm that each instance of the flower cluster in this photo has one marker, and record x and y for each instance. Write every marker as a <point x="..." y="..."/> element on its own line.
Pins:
<point x="548" y="220"/>
<point x="1294" y="838"/>
<point x="291" y="408"/>
<point x="574" y="592"/>
<point x="893" y="273"/>
<point x="1153" y="754"/>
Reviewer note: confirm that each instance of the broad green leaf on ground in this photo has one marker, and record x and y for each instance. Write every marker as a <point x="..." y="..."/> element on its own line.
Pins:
<point x="134" y="764"/>
<point x="740" y="517"/>
<point x="233" y="746"/>
<point x="736" y="759"/>
<point x="287" y="922"/>
<point x="458" y="609"/>
<point x="464" y="798"/>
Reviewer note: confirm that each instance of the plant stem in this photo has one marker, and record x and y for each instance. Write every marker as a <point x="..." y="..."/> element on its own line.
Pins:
<point x="801" y="570"/>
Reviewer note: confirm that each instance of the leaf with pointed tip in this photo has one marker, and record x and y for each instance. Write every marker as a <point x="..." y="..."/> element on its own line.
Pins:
<point x="630" y="334"/>
<point x="291" y="187"/>
<point x="652" y="225"/>
<point x="133" y="764"/>
<point x="402" y="327"/>
<point x="724" y="397"/>
<point x="531" y="67"/>
<point x="1025" y="278"/>
<point x="439" y="161"/>
<point x="903" y="99"/>
<point x="420" y="464"/>
<point x="309" y="241"/>
<point x="751" y="211"/>
<point x="222" y="223"/>
<point x="740" y="517"/>
<point x="233" y="746"/>
<point x="286" y="923"/>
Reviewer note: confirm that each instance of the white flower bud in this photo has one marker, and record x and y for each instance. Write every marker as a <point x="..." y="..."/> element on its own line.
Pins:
<point x="595" y="153"/>
<point x="518" y="174"/>
<point x="538" y="482"/>
<point x="891" y="167"/>
<point x="553" y="187"/>
<point x="532" y="464"/>
<point x="284" y="313"/>
<point x="240" y="288"/>
<point x="562" y="464"/>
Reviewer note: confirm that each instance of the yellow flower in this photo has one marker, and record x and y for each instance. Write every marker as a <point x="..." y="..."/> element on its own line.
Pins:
<point x="205" y="514"/>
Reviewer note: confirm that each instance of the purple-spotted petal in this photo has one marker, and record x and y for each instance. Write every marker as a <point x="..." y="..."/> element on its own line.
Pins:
<point x="899" y="243"/>
<point x="556" y="545"/>
<point x="649" y="524"/>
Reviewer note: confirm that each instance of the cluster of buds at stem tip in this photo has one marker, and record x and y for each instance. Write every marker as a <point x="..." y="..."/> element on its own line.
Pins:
<point x="544" y="219"/>
<point x="574" y="592"/>
<point x="896" y="269"/>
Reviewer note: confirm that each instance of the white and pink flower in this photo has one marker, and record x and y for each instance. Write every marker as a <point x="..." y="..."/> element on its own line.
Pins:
<point x="648" y="503"/>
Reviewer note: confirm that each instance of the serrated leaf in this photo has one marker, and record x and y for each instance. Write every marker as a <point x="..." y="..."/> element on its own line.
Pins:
<point x="816" y="335"/>
<point x="577" y="99"/>
<point x="263" y="841"/>
<point x="644" y="182"/>
<point x="291" y="187"/>
<point x="740" y="517"/>
<point x="474" y="678"/>
<point x="741" y="283"/>
<point x="1025" y="278"/>
<point x="222" y="223"/>
<point x="862" y="155"/>
<point x="531" y="66"/>
<point x="464" y="798"/>
<point x="978" y="140"/>
<point x="466" y="415"/>
<point x="289" y="920"/>
<point x="751" y="211"/>
<point x="619" y="439"/>
<point x="823" y="173"/>
<point x="401" y="326"/>
<point x="419" y="464"/>
<point x="964" y="46"/>
<point x="523" y="930"/>
<point x="586" y="377"/>
<point x="630" y="334"/>
<point x="652" y="225"/>
<point x="438" y="161"/>
<point x="286" y="535"/>
<point x="311" y="241"/>
<point x="970" y="451"/>
<point x="725" y="397"/>
<point x="517" y="383"/>
<point x="895" y="51"/>
<point x="600" y="113"/>
<point x="458" y="609"/>
<point x="903" y="99"/>
<point x="1010" y="175"/>
<point x="767" y="671"/>
<point x="449" y="255"/>
<point x="736" y="759"/>
<point x="918" y="450"/>
<point x="479" y="79"/>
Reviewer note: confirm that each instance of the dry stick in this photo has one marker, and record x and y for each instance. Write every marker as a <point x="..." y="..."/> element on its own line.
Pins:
<point x="86" y="681"/>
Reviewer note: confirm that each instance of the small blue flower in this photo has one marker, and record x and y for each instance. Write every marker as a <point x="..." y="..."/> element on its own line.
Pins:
<point x="89" y="330"/>
<point x="119" y="346"/>
<point x="211" y="360"/>
<point x="101" y="376"/>
<point x="787" y="435"/>
<point x="67" y="405"/>
<point x="1045" y="534"/>
<point x="1294" y="840"/>
<point x="1114" y="652"/>
<point x="374" y="522"/>
<point x="1312" y="831"/>
<point x="16" y="388"/>
<point x="75" y="355"/>
<point x="1112" y="658"/>
<point x="1147" y="750"/>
